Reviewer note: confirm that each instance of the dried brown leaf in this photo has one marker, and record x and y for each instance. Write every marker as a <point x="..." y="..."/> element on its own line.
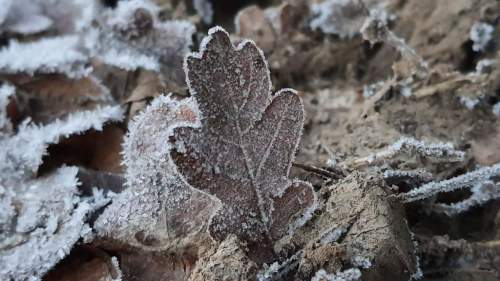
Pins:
<point x="243" y="150"/>
<point x="158" y="211"/>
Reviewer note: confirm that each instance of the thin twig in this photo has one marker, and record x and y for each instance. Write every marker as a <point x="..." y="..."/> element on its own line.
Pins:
<point x="338" y="174"/>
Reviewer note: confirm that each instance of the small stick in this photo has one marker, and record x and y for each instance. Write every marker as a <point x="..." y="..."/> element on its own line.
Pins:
<point x="322" y="172"/>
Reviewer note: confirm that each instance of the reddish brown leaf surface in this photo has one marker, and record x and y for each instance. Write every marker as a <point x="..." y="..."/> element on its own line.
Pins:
<point x="243" y="150"/>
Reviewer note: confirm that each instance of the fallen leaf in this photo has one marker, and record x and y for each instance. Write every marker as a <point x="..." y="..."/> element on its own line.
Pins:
<point x="244" y="148"/>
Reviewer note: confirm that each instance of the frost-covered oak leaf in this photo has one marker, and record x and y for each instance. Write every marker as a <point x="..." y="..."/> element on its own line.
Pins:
<point x="243" y="150"/>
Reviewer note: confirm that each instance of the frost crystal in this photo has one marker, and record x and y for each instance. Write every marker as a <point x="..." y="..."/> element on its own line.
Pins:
<point x="158" y="211"/>
<point x="396" y="176"/>
<point x="483" y="66"/>
<point x="481" y="34"/>
<point x="131" y="36"/>
<point x="482" y="192"/>
<point x="437" y="152"/>
<point x="351" y="274"/>
<point x="49" y="55"/>
<point x="465" y="180"/>
<point x="418" y="274"/>
<point x="125" y="16"/>
<point x="362" y="262"/>
<point x="6" y="91"/>
<point x="372" y="89"/>
<point x="468" y="102"/>
<point x="332" y="234"/>
<point x="277" y="271"/>
<point x="204" y="9"/>
<point x="22" y="153"/>
<point x="23" y="16"/>
<point x="5" y="4"/>
<point x="42" y="218"/>
<point x="496" y="109"/>
<point x="116" y="266"/>
<point x="34" y="16"/>
<point x="405" y="88"/>
<point x="341" y="17"/>
<point x="48" y="220"/>
<point x="243" y="150"/>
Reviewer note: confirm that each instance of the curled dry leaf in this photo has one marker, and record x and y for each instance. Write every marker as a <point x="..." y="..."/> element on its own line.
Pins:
<point x="132" y="37"/>
<point x="158" y="212"/>
<point x="243" y="150"/>
<point x="41" y="218"/>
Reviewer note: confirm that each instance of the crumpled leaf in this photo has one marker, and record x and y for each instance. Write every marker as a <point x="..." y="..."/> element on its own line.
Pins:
<point x="41" y="221"/>
<point x="34" y="16"/>
<point x="158" y="212"/>
<point x="131" y="36"/>
<point x="22" y="152"/>
<point x="41" y="218"/>
<point x="243" y="150"/>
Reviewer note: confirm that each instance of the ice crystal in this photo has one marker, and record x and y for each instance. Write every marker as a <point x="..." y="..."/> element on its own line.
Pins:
<point x="483" y="66"/>
<point x="405" y="88"/>
<point x="496" y="109"/>
<point x="412" y="176"/>
<point x="6" y="91"/>
<point x="42" y="218"/>
<point x="462" y="181"/>
<point x="116" y="267"/>
<point x="204" y="9"/>
<point x="341" y="17"/>
<point x="418" y="274"/>
<point x="22" y="152"/>
<point x="372" y="89"/>
<point x="48" y="55"/>
<point x="5" y="4"/>
<point x="482" y="192"/>
<point x="361" y="262"/>
<point x="351" y="274"/>
<point x="277" y="271"/>
<point x="481" y="34"/>
<point x="49" y="218"/>
<point x="434" y="151"/>
<point x="132" y="16"/>
<point x="23" y="16"/>
<point x="243" y="150"/>
<point x="34" y="16"/>
<point x="132" y="36"/>
<point x="158" y="211"/>
<point x="268" y="271"/>
<point x="469" y="102"/>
